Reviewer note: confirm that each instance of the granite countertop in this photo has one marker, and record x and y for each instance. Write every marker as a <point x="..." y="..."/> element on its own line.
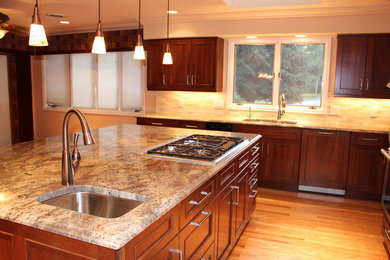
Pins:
<point x="28" y="170"/>
<point x="327" y="124"/>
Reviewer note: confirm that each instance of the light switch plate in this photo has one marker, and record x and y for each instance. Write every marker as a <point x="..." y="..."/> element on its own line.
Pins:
<point x="180" y="102"/>
<point x="334" y="110"/>
<point x="374" y="112"/>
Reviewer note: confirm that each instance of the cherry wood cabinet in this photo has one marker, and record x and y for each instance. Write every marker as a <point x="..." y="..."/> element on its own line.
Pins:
<point x="324" y="159"/>
<point x="171" y="123"/>
<point x="280" y="148"/>
<point x="363" y="66"/>
<point x="366" y="166"/>
<point x="197" y="65"/>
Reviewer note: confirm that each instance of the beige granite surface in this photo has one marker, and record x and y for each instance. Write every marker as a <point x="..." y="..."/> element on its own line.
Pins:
<point x="111" y="165"/>
<point x="326" y="123"/>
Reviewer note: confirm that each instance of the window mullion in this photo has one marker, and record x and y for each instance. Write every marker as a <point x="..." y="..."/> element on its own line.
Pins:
<point x="70" y="80"/>
<point x="277" y="71"/>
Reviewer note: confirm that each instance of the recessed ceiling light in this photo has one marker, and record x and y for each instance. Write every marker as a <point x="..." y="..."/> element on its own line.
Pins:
<point x="65" y="22"/>
<point x="172" y="11"/>
<point x="251" y="37"/>
<point x="300" y="35"/>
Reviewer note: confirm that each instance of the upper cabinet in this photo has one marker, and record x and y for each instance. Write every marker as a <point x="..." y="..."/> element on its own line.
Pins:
<point x="197" y="65"/>
<point x="363" y="66"/>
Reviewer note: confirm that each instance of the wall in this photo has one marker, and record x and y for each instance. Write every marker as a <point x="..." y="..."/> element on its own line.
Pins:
<point x="5" y="125"/>
<point x="352" y="110"/>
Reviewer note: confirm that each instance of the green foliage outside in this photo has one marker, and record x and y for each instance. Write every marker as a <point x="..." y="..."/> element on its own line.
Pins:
<point x="301" y="72"/>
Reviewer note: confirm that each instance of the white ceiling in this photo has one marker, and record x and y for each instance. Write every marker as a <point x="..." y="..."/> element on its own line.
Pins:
<point x="118" y="14"/>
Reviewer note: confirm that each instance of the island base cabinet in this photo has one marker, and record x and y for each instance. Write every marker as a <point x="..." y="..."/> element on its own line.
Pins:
<point x="6" y="251"/>
<point x="225" y="222"/>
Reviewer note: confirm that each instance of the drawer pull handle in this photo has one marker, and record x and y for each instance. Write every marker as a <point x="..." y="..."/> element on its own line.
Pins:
<point x="254" y="165"/>
<point x="325" y="133"/>
<point x="254" y="194"/>
<point x="237" y="196"/>
<point x="242" y="163"/>
<point x="198" y="224"/>
<point x="188" y="80"/>
<point x="192" y="126"/>
<point x="254" y="149"/>
<point x="204" y="259"/>
<point x="387" y="233"/>
<point x="178" y="251"/>
<point x="253" y="182"/>
<point x="370" y="139"/>
<point x="194" y="202"/>
<point x="153" y="123"/>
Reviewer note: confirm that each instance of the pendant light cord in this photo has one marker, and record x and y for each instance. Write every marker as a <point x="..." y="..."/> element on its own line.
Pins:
<point x="36" y="3"/>
<point x="99" y="11"/>
<point x="168" y="21"/>
<point x="139" y="15"/>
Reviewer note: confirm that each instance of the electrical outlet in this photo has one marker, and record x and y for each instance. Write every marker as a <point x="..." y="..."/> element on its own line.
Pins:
<point x="334" y="110"/>
<point x="374" y="112"/>
<point x="180" y="102"/>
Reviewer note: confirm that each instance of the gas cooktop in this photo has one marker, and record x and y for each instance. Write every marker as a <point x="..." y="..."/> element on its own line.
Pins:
<point x="198" y="147"/>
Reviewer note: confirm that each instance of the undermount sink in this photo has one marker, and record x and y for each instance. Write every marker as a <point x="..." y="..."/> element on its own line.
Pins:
<point x="274" y="121"/>
<point x="93" y="201"/>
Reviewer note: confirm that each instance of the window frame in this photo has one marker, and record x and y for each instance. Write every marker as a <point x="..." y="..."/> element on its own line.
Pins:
<point x="95" y="110"/>
<point x="277" y="68"/>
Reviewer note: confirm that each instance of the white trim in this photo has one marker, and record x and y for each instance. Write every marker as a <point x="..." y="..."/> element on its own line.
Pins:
<point x="277" y="68"/>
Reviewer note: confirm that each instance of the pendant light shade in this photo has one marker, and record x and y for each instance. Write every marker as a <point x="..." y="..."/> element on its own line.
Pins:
<point x="99" y="46"/>
<point x="139" y="53"/>
<point x="167" y="59"/>
<point x="37" y="32"/>
<point x="3" y="32"/>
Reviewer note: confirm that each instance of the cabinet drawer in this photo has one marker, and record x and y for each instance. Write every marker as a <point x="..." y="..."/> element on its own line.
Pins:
<point x="151" y="241"/>
<point x="370" y="139"/>
<point x="254" y="165"/>
<point x="199" y="234"/>
<point x="243" y="160"/>
<point x="194" y="124"/>
<point x="158" y="122"/>
<point x="226" y="176"/>
<point x="192" y="205"/>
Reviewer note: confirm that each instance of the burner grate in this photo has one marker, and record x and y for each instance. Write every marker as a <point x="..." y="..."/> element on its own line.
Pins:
<point x="203" y="147"/>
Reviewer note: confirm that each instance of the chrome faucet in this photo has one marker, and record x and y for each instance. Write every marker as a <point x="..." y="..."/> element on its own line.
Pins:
<point x="282" y="106"/>
<point x="70" y="161"/>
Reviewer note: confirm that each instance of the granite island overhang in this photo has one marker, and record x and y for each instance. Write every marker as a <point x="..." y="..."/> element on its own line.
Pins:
<point x="28" y="170"/>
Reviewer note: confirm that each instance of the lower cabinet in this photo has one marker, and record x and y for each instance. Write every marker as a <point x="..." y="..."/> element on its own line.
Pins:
<point x="366" y="166"/>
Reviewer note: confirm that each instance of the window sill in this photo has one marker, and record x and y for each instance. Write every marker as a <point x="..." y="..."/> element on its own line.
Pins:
<point x="94" y="111"/>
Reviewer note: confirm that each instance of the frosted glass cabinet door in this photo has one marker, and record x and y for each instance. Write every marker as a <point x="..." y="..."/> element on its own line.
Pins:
<point x="57" y="79"/>
<point x="108" y="80"/>
<point x="5" y="123"/>
<point x="131" y="83"/>
<point x="83" y="67"/>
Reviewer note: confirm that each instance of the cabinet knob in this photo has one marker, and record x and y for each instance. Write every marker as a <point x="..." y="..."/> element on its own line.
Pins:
<point x="388" y="85"/>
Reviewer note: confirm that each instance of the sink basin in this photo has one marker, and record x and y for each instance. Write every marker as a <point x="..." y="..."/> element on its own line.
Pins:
<point x="274" y="121"/>
<point x="86" y="199"/>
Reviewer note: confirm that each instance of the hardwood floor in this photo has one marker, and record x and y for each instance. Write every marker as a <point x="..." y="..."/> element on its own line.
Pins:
<point x="291" y="225"/>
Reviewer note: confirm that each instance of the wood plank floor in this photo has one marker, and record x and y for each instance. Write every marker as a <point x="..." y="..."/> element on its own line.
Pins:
<point x="291" y="225"/>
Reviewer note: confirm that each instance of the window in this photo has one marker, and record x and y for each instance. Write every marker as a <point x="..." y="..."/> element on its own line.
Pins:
<point x="110" y="82"/>
<point x="259" y="71"/>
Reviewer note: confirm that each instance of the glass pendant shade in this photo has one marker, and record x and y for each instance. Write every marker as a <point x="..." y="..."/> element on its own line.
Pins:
<point x="37" y="32"/>
<point x="3" y="32"/>
<point x="167" y="59"/>
<point x="99" y="46"/>
<point x="139" y="53"/>
<point x="37" y="35"/>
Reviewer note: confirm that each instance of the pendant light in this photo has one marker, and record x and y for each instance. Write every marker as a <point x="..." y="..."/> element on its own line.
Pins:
<point x="3" y="31"/>
<point x="167" y="60"/>
<point x="139" y="53"/>
<point x="37" y="32"/>
<point x="99" y="46"/>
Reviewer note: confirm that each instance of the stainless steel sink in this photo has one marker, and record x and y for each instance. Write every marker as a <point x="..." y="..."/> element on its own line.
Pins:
<point x="92" y="202"/>
<point x="274" y="121"/>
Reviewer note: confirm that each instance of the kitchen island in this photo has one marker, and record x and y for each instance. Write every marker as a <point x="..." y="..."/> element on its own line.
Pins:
<point x="114" y="164"/>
